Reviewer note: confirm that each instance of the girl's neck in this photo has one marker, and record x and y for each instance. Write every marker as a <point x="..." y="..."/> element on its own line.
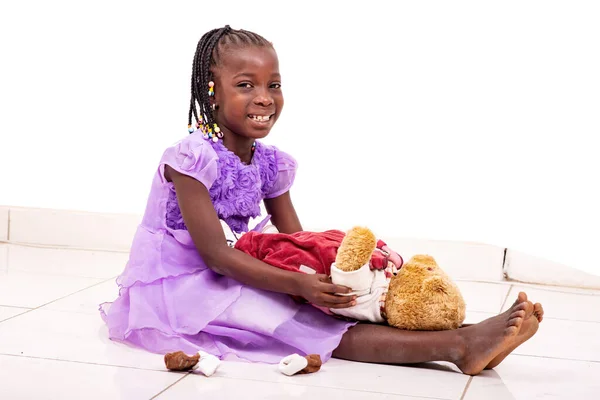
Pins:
<point x="240" y="146"/>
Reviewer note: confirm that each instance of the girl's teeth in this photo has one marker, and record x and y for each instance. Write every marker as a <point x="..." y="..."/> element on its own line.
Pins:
<point x="260" y="118"/>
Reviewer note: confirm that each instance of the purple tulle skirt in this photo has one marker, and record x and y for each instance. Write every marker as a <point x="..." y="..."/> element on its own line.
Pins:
<point x="169" y="301"/>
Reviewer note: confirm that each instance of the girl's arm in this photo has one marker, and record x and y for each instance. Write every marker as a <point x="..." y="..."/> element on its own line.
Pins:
<point x="283" y="214"/>
<point x="205" y="229"/>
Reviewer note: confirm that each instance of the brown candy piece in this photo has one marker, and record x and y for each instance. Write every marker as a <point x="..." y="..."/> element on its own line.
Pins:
<point x="179" y="361"/>
<point x="314" y="364"/>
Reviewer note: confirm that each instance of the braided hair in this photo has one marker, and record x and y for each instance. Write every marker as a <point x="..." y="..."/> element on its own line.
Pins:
<point x="207" y="55"/>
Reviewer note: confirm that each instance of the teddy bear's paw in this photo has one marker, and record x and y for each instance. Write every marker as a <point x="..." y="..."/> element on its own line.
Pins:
<point x="356" y="249"/>
<point x="314" y="364"/>
<point x="296" y="364"/>
<point x="179" y="361"/>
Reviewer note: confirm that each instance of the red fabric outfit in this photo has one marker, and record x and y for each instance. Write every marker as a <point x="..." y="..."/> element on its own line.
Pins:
<point x="316" y="250"/>
<point x="290" y="251"/>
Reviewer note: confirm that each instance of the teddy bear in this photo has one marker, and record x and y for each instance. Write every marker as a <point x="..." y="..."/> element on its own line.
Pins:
<point x="417" y="295"/>
<point x="420" y="296"/>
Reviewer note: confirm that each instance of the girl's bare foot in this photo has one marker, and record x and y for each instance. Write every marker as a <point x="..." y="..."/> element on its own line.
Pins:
<point x="494" y="336"/>
<point x="534" y="315"/>
<point x="538" y="311"/>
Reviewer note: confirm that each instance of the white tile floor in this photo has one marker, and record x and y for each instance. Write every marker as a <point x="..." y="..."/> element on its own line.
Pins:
<point x="53" y="345"/>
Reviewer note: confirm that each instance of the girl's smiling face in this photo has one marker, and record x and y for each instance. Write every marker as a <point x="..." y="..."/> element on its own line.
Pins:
<point x="247" y="91"/>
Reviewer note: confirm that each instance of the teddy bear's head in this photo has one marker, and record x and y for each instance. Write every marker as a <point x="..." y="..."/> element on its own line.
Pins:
<point x="423" y="297"/>
<point x="422" y="266"/>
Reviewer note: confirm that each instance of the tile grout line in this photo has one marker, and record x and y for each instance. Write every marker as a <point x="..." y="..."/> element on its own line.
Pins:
<point x="555" y="358"/>
<point x="570" y="320"/>
<point x="545" y="318"/>
<point x="84" y="362"/>
<point x="60" y="298"/>
<point x="466" y="387"/>
<point x="169" y="387"/>
<point x="67" y="247"/>
<point x="554" y="288"/>
<point x="54" y="274"/>
<point x="506" y="298"/>
<point x="537" y="286"/>
<point x="7" y="306"/>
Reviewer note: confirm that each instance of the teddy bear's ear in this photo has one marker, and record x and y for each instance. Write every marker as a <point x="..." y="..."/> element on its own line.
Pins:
<point x="435" y="284"/>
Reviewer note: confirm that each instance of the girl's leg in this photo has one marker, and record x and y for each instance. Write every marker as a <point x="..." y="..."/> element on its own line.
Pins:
<point x="471" y="348"/>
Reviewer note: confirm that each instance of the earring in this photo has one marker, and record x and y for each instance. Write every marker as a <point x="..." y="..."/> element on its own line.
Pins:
<point x="218" y="132"/>
<point x="214" y="107"/>
<point x="211" y="90"/>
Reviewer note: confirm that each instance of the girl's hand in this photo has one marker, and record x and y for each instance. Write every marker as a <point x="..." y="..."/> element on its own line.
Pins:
<point x="317" y="289"/>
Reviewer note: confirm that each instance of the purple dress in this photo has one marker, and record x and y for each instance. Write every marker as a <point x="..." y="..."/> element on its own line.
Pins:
<point x="169" y="300"/>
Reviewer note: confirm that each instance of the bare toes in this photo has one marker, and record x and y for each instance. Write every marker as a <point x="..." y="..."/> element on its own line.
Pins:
<point x="522" y="297"/>
<point x="525" y="306"/>
<point x="529" y="308"/>
<point x="538" y="311"/>
<point x="515" y="322"/>
<point x="517" y="314"/>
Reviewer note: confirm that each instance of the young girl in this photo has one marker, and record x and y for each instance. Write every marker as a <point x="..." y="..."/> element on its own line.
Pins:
<point x="184" y="288"/>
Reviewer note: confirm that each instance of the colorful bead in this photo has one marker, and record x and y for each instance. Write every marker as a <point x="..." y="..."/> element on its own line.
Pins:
<point x="190" y="129"/>
<point x="211" y="84"/>
<point x="215" y="139"/>
<point x="217" y="129"/>
<point x="220" y="135"/>
<point x="205" y="136"/>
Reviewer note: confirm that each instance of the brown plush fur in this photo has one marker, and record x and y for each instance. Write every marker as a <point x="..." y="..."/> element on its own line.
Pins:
<point x="356" y="249"/>
<point x="179" y="361"/>
<point x="423" y="297"/>
<point x="314" y="364"/>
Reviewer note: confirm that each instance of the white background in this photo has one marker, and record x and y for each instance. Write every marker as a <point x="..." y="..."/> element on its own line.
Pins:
<point x="474" y="121"/>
